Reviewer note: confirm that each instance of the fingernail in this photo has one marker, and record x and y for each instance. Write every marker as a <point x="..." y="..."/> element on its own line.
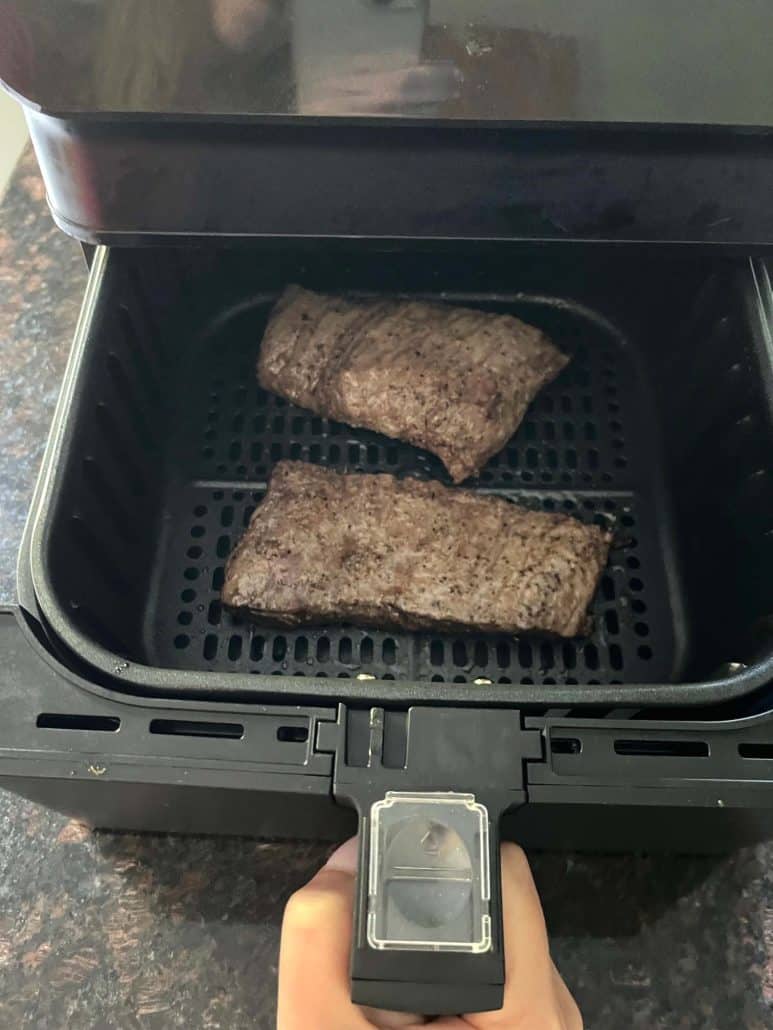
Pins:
<point x="344" y="858"/>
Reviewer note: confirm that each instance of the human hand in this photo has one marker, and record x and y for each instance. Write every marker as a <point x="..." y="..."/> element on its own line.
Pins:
<point x="316" y="940"/>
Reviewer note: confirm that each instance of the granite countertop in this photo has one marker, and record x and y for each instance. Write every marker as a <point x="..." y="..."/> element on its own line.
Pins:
<point x="103" y="930"/>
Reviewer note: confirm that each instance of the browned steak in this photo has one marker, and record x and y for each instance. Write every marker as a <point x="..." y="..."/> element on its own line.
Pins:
<point x="327" y="546"/>
<point x="453" y="380"/>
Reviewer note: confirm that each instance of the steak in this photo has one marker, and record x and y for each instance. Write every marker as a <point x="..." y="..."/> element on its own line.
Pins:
<point x="374" y="550"/>
<point x="453" y="380"/>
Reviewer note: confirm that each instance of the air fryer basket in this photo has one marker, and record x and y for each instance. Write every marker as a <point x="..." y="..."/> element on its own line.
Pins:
<point x="660" y="427"/>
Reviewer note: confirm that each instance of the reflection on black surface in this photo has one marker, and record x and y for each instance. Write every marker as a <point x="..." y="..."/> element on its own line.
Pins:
<point x="649" y="60"/>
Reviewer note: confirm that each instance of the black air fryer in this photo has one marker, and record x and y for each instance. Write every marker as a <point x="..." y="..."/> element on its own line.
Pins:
<point x="604" y="173"/>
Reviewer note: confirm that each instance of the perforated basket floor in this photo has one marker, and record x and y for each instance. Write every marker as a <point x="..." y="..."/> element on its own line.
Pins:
<point x="586" y="447"/>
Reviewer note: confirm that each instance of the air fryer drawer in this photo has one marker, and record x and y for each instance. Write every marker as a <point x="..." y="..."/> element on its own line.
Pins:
<point x="660" y="428"/>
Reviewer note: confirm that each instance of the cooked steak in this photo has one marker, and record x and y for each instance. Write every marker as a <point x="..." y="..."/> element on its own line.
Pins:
<point x="453" y="380"/>
<point x="327" y="546"/>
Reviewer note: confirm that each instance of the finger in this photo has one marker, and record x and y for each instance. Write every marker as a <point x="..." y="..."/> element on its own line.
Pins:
<point x="314" y="986"/>
<point x="529" y="995"/>
<point x="569" y="1007"/>
<point x="314" y="953"/>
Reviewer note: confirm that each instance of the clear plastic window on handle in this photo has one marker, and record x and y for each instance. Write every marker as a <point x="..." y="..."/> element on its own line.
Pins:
<point x="429" y="882"/>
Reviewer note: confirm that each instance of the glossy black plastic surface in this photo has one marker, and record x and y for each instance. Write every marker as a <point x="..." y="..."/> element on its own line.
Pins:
<point x="701" y="63"/>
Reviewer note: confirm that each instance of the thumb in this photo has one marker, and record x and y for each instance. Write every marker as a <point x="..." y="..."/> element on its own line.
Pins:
<point x="314" y="989"/>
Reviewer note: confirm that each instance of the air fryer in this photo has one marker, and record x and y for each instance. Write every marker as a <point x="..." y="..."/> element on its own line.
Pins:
<point x="627" y="216"/>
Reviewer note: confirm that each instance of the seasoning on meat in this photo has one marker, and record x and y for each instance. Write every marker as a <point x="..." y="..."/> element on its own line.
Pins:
<point x="453" y="380"/>
<point x="330" y="547"/>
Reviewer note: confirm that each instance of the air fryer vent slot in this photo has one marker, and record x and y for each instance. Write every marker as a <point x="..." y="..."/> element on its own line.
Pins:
<point x="196" y="728"/>
<point x="662" y="748"/>
<point x="756" y="750"/>
<point x="65" y="721"/>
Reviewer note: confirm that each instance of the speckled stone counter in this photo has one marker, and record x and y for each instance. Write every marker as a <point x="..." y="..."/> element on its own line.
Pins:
<point x="101" y="930"/>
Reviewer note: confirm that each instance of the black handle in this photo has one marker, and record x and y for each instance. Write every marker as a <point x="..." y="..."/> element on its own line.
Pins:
<point x="432" y="781"/>
<point x="450" y="901"/>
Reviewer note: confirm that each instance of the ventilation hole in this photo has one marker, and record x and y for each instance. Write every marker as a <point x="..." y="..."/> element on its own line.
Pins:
<point x="436" y="652"/>
<point x="293" y="734"/>
<point x="481" y="653"/>
<point x="569" y="656"/>
<point x="546" y="656"/>
<point x="612" y="622"/>
<point x="185" y="618"/>
<point x="644" y="652"/>
<point x="389" y="651"/>
<point x="235" y="648"/>
<point x="227" y="516"/>
<point x="526" y="681"/>
<point x="615" y="657"/>
<point x="391" y="455"/>
<point x="214" y="613"/>
<point x="608" y="588"/>
<point x="591" y="656"/>
<point x="635" y="584"/>
<point x="188" y="596"/>
<point x="503" y="655"/>
<point x="279" y="649"/>
<point x="663" y="748"/>
<point x="354" y="454"/>
<point x="275" y="451"/>
<point x="334" y="452"/>
<point x="199" y="510"/>
<point x="627" y="520"/>
<point x="366" y="651"/>
<point x="642" y="629"/>
<point x="565" y="745"/>
<point x="632" y="563"/>
<point x="64" y="721"/>
<point x="301" y="649"/>
<point x="345" y="651"/>
<point x="257" y="648"/>
<point x="249" y="511"/>
<point x="195" y="728"/>
<point x="315" y="452"/>
<point x="750" y="750"/>
<point x="198" y="531"/>
<point x="194" y="552"/>
<point x="207" y="452"/>
<point x="218" y="578"/>
<point x="532" y="458"/>
<point x="638" y="606"/>
<point x="525" y="656"/>
<point x="323" y="649"/>
<point x="191" y="572"/>
<point x="459" y="653"/>
<point x="223" y="546"/>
